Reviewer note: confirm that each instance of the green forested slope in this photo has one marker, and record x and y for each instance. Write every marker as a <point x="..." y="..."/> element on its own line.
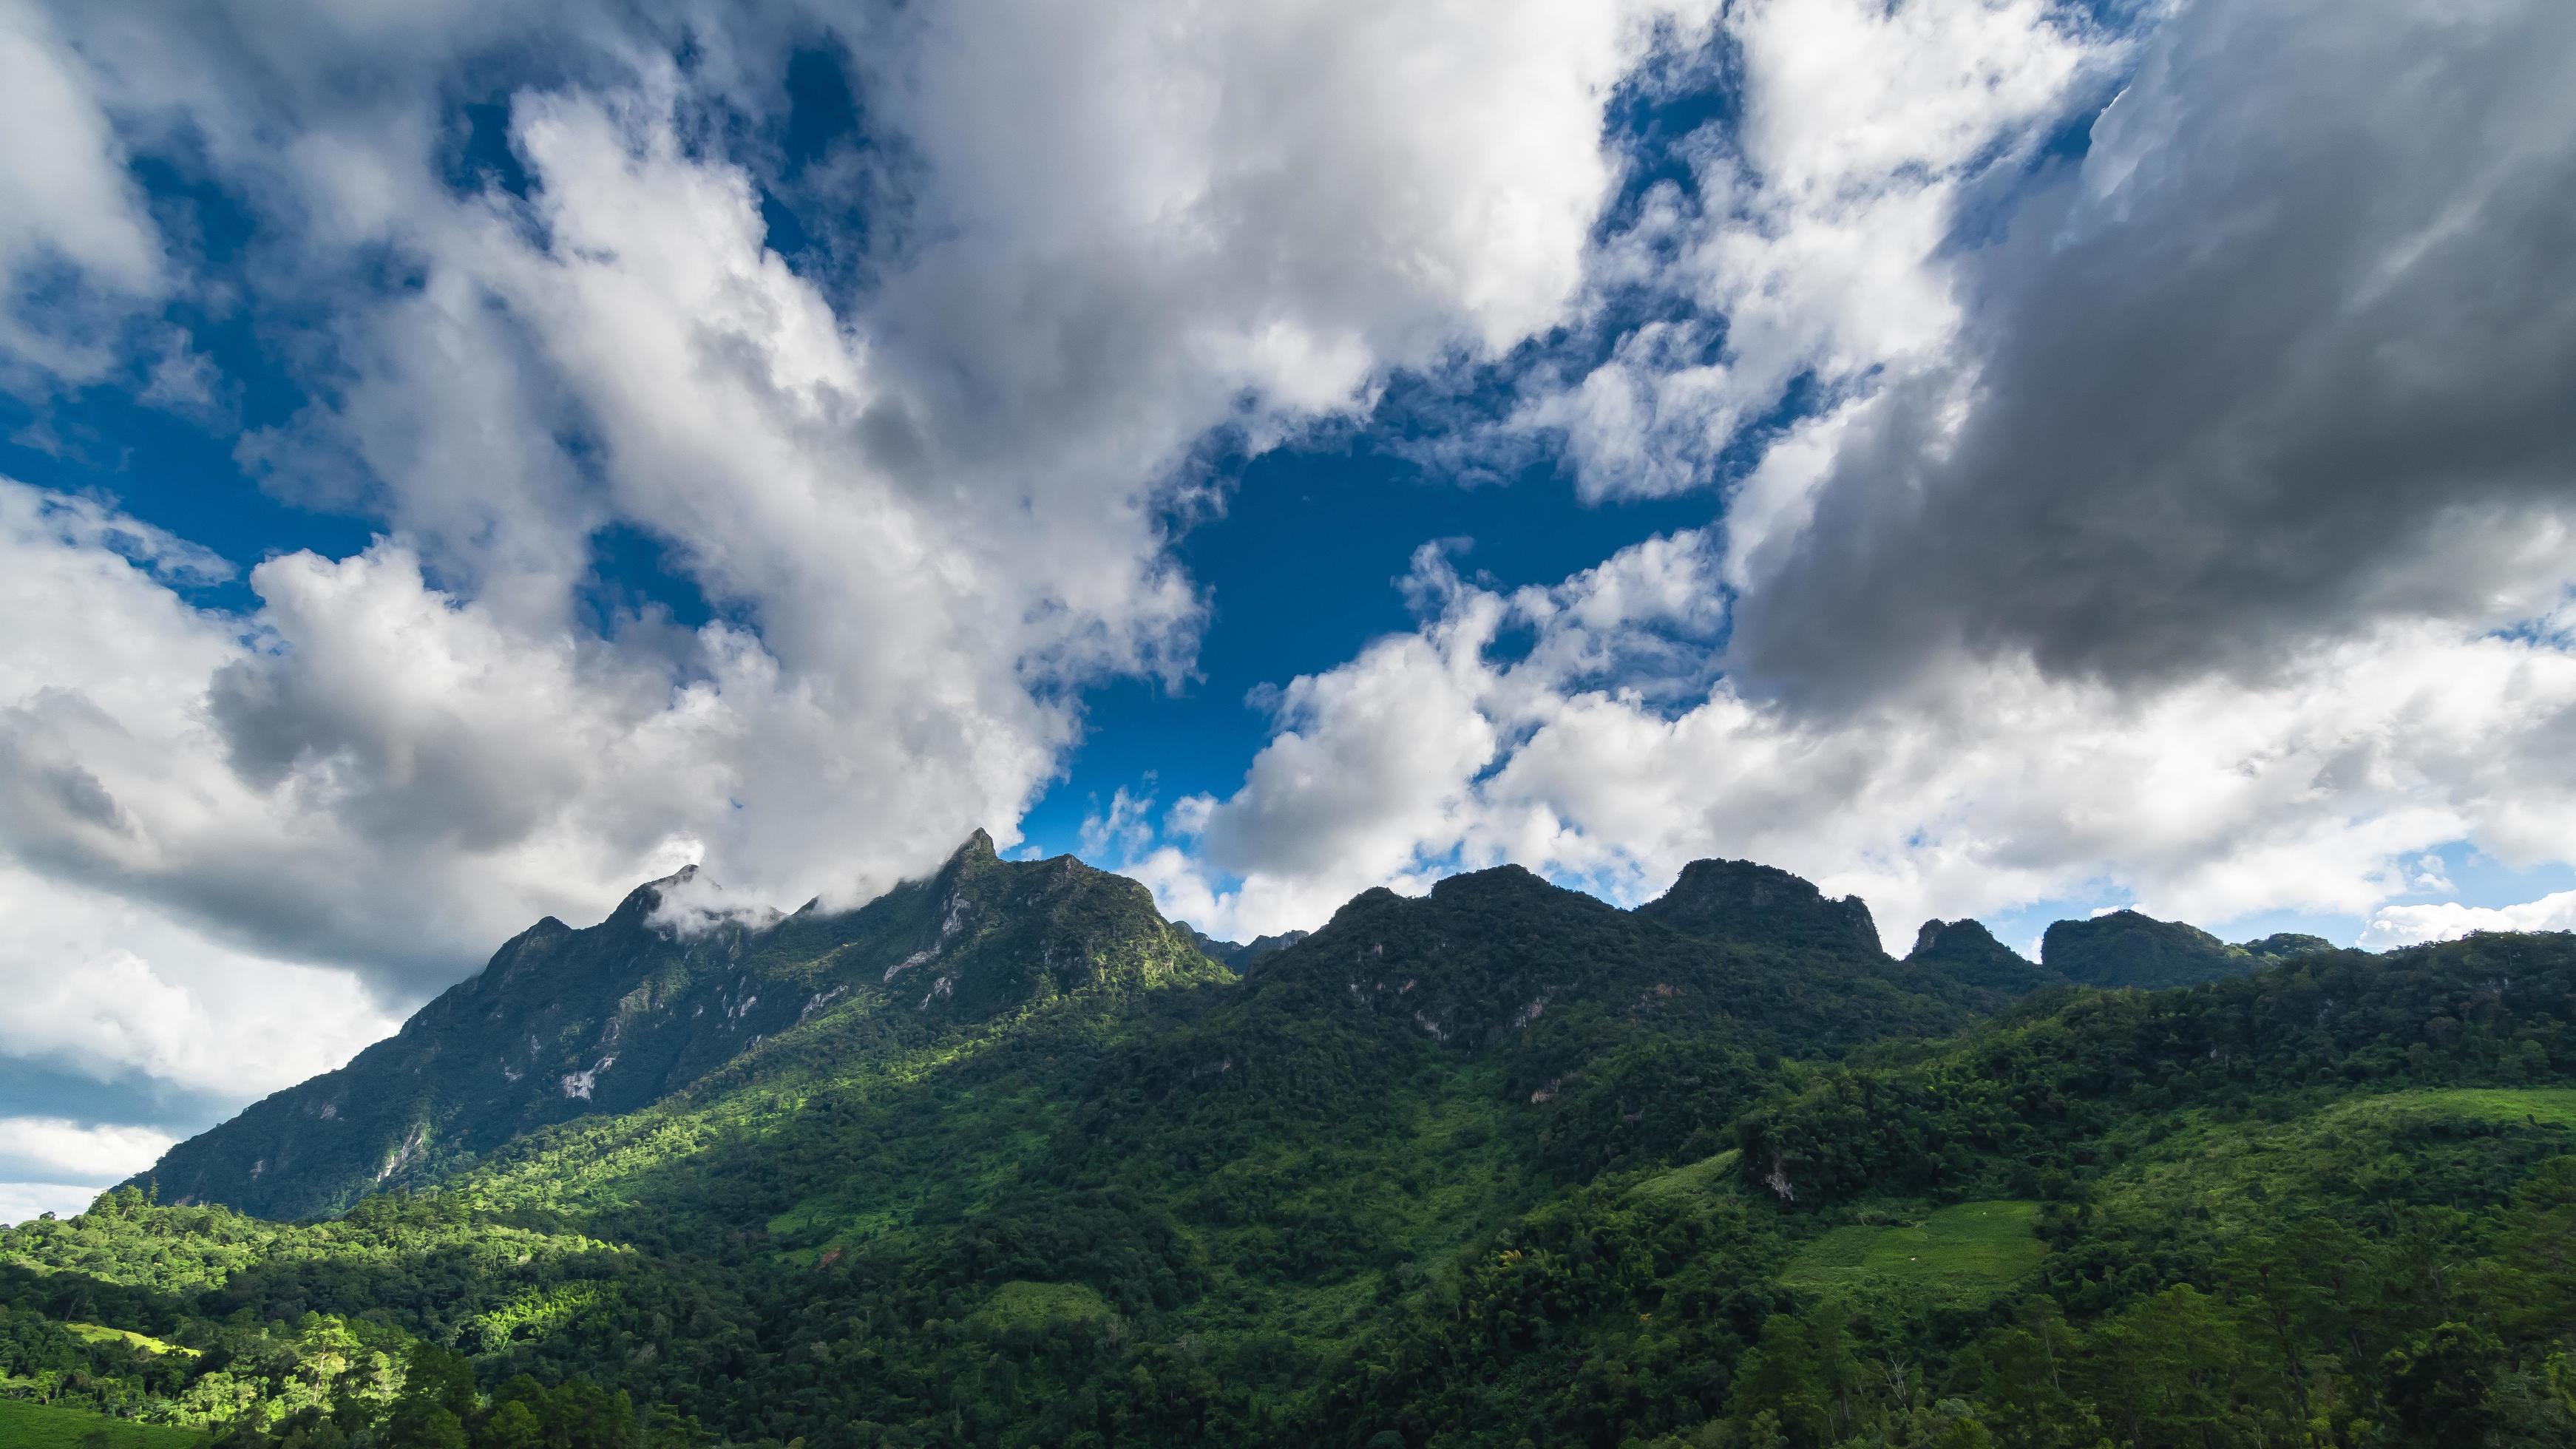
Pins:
<point x="1968" y="953"/>
<point x="1501" y="1164"/>
<point x="566" y="1024"/>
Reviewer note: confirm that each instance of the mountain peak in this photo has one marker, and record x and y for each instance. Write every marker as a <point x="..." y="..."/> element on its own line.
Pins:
<point x="645" y="898"/>
<point x="1759" y="905"/>
<point x="1964" y="950"/>
<point x="2123" y="948"/>
<point x="1506" y="879"/>
<point x="564" y="1023"/>
<point x="1953" y="937"/>
<point x="2282" y="945"/>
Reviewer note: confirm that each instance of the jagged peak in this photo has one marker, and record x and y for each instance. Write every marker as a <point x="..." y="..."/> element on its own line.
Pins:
<point x="1965" y="951"/>
<point x="977" y="847"/>
<point x="1746" y="901"/>
<point x="647" y="897"/>
<point x="1966" y="933"/>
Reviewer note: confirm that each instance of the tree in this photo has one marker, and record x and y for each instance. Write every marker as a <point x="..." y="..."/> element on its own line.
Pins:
<point x="2437" y="1385"/>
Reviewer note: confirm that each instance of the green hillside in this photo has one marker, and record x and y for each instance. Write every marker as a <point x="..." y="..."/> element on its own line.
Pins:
<point x="1494" y="1165"/>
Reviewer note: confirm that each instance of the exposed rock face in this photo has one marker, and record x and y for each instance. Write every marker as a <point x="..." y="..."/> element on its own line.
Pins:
<point x="2127" y="949"/>
<point x="563" y="1023"/>
<point x="1755" y="905"/>
<point x="1967" y="952"/>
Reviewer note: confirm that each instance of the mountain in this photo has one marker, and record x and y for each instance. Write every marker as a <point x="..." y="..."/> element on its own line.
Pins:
<point x="1607" y="1034"/>
<point x="1241" y="954"/>
<point x="1493" y="1164"/>
<point x="1502" y="959"/>
<point x="1739" y="901"/>
<point x="2282" y="945"/>
<point x="1008" y="1085"/>
<point x="2126" y="949"/>
<point x="1967" y="952"/>
<point x="566" y="1023"/>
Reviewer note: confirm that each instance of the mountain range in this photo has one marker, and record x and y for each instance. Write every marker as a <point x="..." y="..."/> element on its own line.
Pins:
<point x="1006" y="1157"/>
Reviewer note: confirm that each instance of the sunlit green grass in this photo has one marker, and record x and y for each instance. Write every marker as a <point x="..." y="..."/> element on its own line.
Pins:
<point x="98" y="1333"/>
<point x="1700" y="1179"/>
<point x="1963" y="1254"/>
<point x="2547" y="1106"/>
<point x="40" y="1426"/>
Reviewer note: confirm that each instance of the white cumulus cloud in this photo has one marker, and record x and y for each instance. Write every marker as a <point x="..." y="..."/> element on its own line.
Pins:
<point x="67" y="207"/>
<point x="2449" y="920"/>
<point x="1983" y="790"/>
<point x="926" y="485"/>
<point x="59" y="1148"/>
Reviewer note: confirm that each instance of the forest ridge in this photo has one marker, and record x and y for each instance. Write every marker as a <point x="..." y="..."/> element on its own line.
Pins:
<point x="1005" y="1157"/>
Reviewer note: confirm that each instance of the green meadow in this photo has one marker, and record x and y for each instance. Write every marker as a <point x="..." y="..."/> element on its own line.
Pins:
<point x="1965" y="1254"/>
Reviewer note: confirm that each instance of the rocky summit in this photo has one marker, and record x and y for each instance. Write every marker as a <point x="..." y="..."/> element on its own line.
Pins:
<point x="565" y="1023"/>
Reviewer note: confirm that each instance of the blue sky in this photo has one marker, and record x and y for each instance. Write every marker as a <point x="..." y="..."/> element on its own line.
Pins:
<point x="2010" y="459"/>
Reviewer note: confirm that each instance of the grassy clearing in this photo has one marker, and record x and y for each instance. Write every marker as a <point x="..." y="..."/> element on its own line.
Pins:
<point x="1704" y="1178"/>
<point x="1964" y="1254"/>
<point x="2546" y="1106"/>
<point x="100" y="1333"/>
<point x="41" y="1426"/>
<point x="1023" y="1304"/>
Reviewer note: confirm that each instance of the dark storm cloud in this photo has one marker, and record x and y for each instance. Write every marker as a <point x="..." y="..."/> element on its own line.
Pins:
<point x="2292" y="351"/>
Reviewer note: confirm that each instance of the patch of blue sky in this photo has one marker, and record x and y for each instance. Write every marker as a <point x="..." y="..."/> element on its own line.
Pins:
<point x="171" y="473"/>
<point x="1301" y="570"/>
